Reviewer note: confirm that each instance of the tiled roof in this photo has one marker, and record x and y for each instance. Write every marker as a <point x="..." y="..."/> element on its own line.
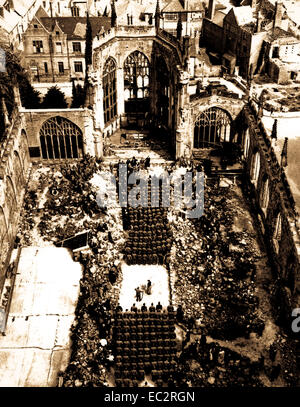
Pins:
<point x="278" y="32"/>
<point x="173" y="7"/>
<point x="75" y="27"/>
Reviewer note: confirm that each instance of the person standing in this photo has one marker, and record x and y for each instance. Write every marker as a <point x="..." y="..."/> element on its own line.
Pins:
<point x="138" y="294"/>
<point x="149" y="286"/>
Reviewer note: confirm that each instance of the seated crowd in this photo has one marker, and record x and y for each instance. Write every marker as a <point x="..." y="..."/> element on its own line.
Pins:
<point x="150" y="236"/>
<point x="144" y="343"/>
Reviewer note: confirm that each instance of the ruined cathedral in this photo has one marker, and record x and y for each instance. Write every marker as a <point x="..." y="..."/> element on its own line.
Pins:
<point x="144" y="82"/>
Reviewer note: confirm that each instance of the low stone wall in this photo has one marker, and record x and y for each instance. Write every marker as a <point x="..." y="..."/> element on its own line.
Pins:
<point x="81" y="117"/>
<point x="14" y="171"/>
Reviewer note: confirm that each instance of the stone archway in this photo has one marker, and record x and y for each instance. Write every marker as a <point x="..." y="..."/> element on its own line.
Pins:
<point x="212" y="127"/>
<point x="136" y="83"/>
<point x="61" y="139"/>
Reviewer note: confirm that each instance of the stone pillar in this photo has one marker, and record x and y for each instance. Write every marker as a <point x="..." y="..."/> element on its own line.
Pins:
<point x="120" y="90"/>
<point x="98" y="143"/>
<point x="182" y="131"/>
<point x="88" y="138"/>
<point x="99" y="114"/>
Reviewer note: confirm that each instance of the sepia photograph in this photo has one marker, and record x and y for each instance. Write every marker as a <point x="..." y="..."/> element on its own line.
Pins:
<point x="150" y="197"/>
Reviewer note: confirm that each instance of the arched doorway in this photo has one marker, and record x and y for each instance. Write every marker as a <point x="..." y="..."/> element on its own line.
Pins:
<point x="60" y="138"/>
<point x="163" y="90"/>
<point x="136" y="83"/>
<point x="212" y="128"/>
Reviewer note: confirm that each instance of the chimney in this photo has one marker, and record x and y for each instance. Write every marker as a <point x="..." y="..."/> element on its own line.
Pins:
<point x="278" y="14"/>
<point x="253" y="5"/>
<point x="211" y="9"/>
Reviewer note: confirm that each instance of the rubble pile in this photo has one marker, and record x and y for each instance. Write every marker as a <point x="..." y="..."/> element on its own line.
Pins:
<point x="59" y="204"/>
<point x="91" y="351"/>
<point x="209" y="364"/>
<point x="215" y="270"/>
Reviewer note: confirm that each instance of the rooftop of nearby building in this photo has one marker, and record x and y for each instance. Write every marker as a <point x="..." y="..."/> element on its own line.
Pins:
<point x="75" y="27"/>
<point x="243" y="15"/>
<point x="12" y="17"/>
<point x="278" y="33"/>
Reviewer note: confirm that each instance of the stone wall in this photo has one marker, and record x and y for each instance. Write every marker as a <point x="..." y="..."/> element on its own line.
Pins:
<point x="273" y="205"/>
<point x="82" y="117"/>
<point x="200" y="104"/>
<point x="14" y="171"/>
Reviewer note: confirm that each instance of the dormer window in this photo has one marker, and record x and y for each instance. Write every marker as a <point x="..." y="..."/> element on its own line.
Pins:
<point x="57" y="33"/>
<point x="35" y="26"/>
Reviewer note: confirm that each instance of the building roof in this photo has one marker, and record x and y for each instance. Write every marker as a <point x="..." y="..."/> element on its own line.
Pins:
<point x="218" y="18"/>
<point x="243" y="15"/>
<point x="174" y="6"/>
<point x="135" y="8"/>
<point x="278" y="33"/>
<point x="75" y="27"/>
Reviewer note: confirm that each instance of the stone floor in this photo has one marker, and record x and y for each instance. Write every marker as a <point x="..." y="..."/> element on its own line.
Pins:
<point x="137" y="275"/>
<point x="37" y="342"/>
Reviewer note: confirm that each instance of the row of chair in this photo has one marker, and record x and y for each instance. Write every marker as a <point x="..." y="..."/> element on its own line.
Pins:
<point x="157" y="313"/>
<point x="152" y="345"/>
<point x="145" y="328"/>
<point x="145" y="321"/>
<point x="144" y="335"/>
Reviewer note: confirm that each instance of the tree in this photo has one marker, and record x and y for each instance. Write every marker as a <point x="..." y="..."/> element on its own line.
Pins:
<point x="54" y="98"/>
<point x="78" y="96"/>
<point x="30" y="98"/>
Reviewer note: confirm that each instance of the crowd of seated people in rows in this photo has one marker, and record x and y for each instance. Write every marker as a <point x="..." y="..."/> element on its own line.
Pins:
<point x="149" y="237"/>
<point x="144" y="342"/>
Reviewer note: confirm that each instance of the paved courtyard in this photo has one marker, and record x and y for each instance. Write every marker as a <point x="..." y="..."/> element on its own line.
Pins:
<point x="37" y="341"/>
<point x="137" y="275"/>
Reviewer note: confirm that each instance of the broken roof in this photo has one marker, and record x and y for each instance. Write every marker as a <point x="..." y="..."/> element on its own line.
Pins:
<point x="75" y="27"/>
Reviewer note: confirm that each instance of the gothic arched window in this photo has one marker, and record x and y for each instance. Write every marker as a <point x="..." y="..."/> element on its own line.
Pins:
<point x="136" y="76"/>
<point x="277" y="232"/>
<point x="109" y="81"/>
<point x="212" y="127"/>
<point x="60" y="138"/>
<point x="264" y="195"/>
<point x="255" y="166"/>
